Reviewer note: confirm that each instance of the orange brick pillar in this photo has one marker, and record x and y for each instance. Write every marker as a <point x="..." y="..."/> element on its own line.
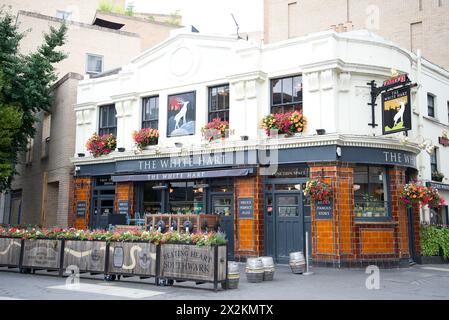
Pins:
<point x="82" y="193"/>
<point x="332" y="239"/>
<point x="125" y="191"/>
<point x="399" y="212"/>
<point x="249" y="237"/>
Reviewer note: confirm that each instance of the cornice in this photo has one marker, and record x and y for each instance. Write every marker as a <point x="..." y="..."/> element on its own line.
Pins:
<point x="261" y="144"/>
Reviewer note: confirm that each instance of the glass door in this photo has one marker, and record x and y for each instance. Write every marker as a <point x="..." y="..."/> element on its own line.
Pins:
<point x="222" y="205"/>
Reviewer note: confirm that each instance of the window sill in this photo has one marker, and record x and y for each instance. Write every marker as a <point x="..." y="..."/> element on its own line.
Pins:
<point x="375" y="221"/>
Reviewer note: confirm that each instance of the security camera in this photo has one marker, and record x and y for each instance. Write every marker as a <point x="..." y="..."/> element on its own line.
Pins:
<point x="77" y="169"/>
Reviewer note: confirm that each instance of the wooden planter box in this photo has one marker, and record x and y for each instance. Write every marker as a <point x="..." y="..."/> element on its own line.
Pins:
<point x="42" y="254"/>
<point x="10" y="249"/>
<point x="185" y="262"/>
<point x="88" y="256"/>
<point x="132" y="259"/>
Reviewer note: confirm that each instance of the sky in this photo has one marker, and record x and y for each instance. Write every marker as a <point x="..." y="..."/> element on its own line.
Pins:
<point x="210" y="16"/>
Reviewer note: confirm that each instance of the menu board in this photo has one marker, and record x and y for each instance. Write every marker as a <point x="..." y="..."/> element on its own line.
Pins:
<point x="246" y="208"/>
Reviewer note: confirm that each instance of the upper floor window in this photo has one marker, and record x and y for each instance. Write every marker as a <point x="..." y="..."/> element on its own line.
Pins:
<point x="46" y="128"/>
<point x="65" y="15"/>
<point x="434" y="161"/>
<point x="94" y="64"/>
<point x="108" y="120"/>
<point x="431" y="105"/>
<point x="448" y="111"/>
<point x="371" y="192"/>
<point x="286" y="94"/>
<point x="150" y="112"/>
<point x="219" y="102"/>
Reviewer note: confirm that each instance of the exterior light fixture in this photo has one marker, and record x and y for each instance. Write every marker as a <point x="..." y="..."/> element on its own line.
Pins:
<point x="339" y="152"/>
<point x="160" y="187"/>
<point x="178" y="144"/>
<point x="121" y="149"/>
<point x="81" y="155"/>
<point x="320" y="132"/>
<point x="244" y="138"/>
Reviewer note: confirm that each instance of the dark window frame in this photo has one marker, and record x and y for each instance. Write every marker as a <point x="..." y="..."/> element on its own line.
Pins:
<point x="434" y="161"/>
<point x="431" y="109"/>
<point x="283" y="104"/>
<point x="109" y="127"/>
<point x="212" y="114"/>
<point x="151" y="122"/>
<point x="388" y="216"/>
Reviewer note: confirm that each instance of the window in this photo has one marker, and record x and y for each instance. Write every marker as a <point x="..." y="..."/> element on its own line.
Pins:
<point x="186" y="197"/>
<point x="108" y="121"/>
<point x="46" y="126"/>
<point x="286" y="94"/>
<point x="94" y="64"/>
<point x="29" y="151"/>
<point x="370" y="192"/>
<point x="150" y="112"/>
<point x="431" y="105"/>
<point x="219" y="103"/>
<point x="434" y="161"/>
<point x="65" y="15"/>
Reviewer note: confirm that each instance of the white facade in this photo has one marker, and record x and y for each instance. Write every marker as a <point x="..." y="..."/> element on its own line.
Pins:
<point x="335" y="68"/>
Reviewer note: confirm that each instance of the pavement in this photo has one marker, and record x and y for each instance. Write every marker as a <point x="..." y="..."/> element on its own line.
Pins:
<point x="428" y="282"/>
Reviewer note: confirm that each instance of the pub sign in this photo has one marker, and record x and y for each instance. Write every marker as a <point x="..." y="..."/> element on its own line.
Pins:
<point x="396" y="110"/>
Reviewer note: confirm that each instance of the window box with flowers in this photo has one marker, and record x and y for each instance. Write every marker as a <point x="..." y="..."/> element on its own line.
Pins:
<point x="101" y="145"/>
<point x="216" y="129"/>
<point x="437" y="176"/>
<point x="145" y="138"/>
<point x="414" y="193"/>
<point x="289" y="124"/>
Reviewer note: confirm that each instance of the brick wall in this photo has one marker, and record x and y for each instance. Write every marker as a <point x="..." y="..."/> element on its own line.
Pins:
<point x="344" y="241"/>
<point x="249" y="233"/>
<point x="125" y="191"/>
<point x="82" y="192"/>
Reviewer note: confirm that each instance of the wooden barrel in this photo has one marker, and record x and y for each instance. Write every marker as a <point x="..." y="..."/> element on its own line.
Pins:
<point x="297" y="262"/>
<point x="268" y="265"/>
<point x="254" y="270"/>
<point x="233" y="275"/>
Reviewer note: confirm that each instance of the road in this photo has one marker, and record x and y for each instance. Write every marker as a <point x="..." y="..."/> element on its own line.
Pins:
<point x="417" y="282"/>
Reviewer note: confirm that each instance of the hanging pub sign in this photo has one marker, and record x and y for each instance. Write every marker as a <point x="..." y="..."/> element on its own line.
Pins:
<point x="396" y="110"/>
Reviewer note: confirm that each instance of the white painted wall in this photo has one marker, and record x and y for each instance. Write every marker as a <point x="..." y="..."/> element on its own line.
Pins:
<point x="335" y="66"/>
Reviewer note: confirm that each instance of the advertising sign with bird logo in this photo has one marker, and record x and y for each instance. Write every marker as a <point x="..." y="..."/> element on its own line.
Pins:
<point x="396" y="110"/>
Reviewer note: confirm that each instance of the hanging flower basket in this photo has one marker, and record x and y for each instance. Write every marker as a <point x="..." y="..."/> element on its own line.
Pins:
<point x="414" y="193"/>
<point x="145" y="137"/>
<point x="101" y="145"/>
<point x="289" y="123"/>
<point x="318" y="190"/>
<point x="216" y="129"/>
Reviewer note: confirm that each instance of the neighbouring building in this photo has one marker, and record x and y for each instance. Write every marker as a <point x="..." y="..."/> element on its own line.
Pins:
<point x="191" y="78"/>
<point x="412" y="24"/>
<point x="41" y="191"/>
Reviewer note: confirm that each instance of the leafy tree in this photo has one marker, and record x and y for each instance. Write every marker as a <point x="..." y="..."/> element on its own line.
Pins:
<point x="25" y="88"/>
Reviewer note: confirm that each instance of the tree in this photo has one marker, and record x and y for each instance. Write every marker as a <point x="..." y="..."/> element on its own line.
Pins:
<point x="25" y="89"/>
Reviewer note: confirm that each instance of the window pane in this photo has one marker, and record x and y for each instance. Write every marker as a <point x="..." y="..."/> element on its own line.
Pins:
<point x="94" y="64"/>
<point x="297" y="88"/>
<point x="287" y="90"/>
<point x="277" y="90"/>
<point x="370" y="192"/>
<point x="213" y="100"/>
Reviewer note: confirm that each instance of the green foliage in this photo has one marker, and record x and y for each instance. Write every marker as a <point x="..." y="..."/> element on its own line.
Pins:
<point x="25" y="86"/>
<point x="174" y="18"/>
<point x="151" y="18"/>
<point x="108" y="6"/>
<point x="434" y="241"/>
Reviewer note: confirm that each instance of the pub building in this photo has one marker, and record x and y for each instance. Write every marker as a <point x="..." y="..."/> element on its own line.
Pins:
<point x="251" y="183"/>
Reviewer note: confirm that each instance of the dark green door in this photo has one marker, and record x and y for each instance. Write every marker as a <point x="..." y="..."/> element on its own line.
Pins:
<point x="222" y="205"/>
<point x="289" y="233"/>
<point x="101" y="208"/>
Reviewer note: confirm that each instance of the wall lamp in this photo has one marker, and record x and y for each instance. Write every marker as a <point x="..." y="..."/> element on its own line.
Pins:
<point x="320" y="132"/>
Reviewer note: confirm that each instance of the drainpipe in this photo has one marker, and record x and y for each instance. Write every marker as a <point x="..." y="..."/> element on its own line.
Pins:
<point x="421" y="165"/>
